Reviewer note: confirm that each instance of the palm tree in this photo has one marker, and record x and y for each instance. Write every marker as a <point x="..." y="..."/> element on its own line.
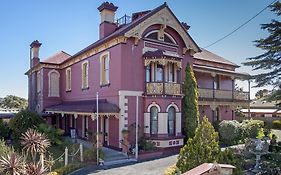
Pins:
<point x="34" y="142"/>
<point x="12" y="164"/>
<point x="35" y="169"/>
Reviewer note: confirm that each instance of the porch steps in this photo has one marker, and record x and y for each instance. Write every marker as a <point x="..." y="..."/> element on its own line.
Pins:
<point x="113" y="155"/>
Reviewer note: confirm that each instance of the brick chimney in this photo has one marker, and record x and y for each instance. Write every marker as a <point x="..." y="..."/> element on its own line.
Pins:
<point x="107" y="13"/>
<point x="34" y="46"/>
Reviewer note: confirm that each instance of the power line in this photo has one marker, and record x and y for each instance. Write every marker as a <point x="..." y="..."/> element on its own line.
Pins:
<point x="240" y="26"/>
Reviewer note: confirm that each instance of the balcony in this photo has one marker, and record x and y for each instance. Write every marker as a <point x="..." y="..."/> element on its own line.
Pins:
<point x="223" y="94"/>
<point x="163" y="89"/>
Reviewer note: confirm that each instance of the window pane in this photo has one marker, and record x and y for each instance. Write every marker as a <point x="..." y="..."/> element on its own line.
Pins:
<point x="153" y="120"/>
<point x="171" y="120"/>
<point x="147" y="73"/>
<point x="159" y="73"/>
<point x="171" y="72"/>
<point x="171" y="127"/>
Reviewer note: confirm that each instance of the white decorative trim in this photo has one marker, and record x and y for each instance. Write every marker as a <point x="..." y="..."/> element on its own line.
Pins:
<point x="153" y="104"/>
<point x="166" y="143"/>
<point x="123" y="114"/>
<point x="170" y="37"/>
<point x="163" y="17"/>
<point x="50" y="94"/>
<point x="173" y="105"/>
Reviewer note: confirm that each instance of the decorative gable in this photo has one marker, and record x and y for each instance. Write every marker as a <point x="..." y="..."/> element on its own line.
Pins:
<point x="165" y="17"/>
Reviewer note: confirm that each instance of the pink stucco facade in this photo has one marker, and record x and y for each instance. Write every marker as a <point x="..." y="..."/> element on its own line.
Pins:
<point x="145" y="74"/>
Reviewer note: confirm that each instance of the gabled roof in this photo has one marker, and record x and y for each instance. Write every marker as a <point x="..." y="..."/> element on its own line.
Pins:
<point x="57" y="58"/>
<point x="121" y="31"/>
<point x="209" y="56"/>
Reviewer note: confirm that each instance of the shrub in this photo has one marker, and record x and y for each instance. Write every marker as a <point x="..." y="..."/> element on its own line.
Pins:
<point x="276" y="124"/>
<point x="228" y="157"/>
<point x="23" y="120"/>
<point x="54" y="135"/>
<point x="91" y="154"/>
<point x="5" y="149"/>
<point x="146" y="145"/>
<point x="251" y="128"/>
<point x="4" y="130"/>
<point x="204" y="147"/>
<point x="229" y="132"/>
<point x="172" y="170"/>
<point x="66" y="169"/>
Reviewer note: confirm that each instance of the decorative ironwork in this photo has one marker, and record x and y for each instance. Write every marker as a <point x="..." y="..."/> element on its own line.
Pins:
<point x="154" y="88"/>
<point x="172" y="89"/>
<point x="205" y="93"/>
<point x="223" y="94"/>
<point x="158" y="88"/>
<point x="124" y="20"/>
<point x="238" y="95"/>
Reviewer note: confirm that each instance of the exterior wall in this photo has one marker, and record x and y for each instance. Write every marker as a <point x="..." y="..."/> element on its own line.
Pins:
<point x="49" y="101"/>
<point x="204" y="80"/>
<point x="225" y="113"/>
<point x="225" y="83"/>
<point x="109" y="92"/>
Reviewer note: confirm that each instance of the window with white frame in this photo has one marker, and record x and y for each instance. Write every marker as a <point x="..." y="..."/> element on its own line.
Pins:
<point x="54" y="83"/>
<point x="38" y="81"/>
<point x="153" y="120"/>
<point x="104" y="67"/>
<point x="68" y="79"/>
<point x="147" y="73"/>
<point x="85" y="73"/>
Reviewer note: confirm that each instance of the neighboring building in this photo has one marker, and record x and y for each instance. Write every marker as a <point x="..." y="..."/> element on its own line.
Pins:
<point x="7" y="113"/>
<point x="211" y="169"/>
<point x="262" y="108"/>
<point x="137" y="67"/>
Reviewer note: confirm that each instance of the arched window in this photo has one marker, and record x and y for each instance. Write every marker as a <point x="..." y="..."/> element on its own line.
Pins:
<point x="153" y="35"/>
<point x="54" y="83"/>
<point x="68" y="79"/>
<point x="153" y="120"/>
<point x="171" y="120"/>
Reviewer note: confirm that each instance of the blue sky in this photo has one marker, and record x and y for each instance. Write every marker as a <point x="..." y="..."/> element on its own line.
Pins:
<point x="72" y="25"/>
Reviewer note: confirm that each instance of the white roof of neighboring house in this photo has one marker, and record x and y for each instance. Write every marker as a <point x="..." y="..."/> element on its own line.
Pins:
<point x="262" y="111"/>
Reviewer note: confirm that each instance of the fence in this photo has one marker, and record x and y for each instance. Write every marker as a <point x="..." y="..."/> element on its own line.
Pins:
<point x="63" y="157"/>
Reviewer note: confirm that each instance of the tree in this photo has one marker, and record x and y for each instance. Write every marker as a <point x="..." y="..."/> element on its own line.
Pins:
<point x="270" y="60"/>
<point x="261" y="93"/>
<point x="24" y="120"/>
<point x="12" y="101"/>
<point x="204" y="147"/>
<point x="190" y="102"/>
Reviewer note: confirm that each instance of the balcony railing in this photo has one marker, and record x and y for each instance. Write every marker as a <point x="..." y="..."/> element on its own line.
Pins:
<point x="163" y="88"/>
<point x="223" y="94"/>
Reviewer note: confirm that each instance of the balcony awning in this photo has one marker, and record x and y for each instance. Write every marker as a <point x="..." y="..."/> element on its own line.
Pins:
<point x="162" y="57"/>
<point x="87" y="106"/>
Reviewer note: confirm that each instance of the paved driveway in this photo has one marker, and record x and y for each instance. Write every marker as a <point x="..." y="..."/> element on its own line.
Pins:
<point x="153" y="167"/>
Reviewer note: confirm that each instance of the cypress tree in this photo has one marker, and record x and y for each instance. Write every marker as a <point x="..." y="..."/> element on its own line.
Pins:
<point x="270" y="60"/>
<point x="190" y="103"/>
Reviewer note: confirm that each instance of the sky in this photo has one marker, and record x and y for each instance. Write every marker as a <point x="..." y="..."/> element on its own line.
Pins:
<point x="71" y="25"/>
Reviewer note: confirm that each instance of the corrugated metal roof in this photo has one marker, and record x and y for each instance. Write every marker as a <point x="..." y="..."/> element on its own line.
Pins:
<point x="209" y="56"/>
<point x="57" y="58"/>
